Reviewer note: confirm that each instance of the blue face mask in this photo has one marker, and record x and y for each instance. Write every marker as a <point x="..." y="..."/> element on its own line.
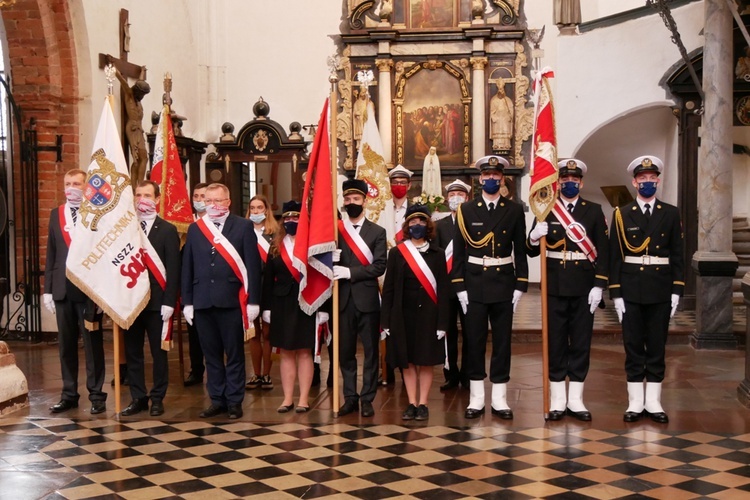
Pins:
<point x="418" y="231"/>
<point x="570" y="189"/>
<point x="491" y="186"/>
<point x="647" y="189"/>
<point x="290" y="228"/>
<point x="257" y="218"/>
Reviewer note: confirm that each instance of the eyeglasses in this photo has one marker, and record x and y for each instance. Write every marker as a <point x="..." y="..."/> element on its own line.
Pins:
<point x="209" y="201"/>
<point x="399" y="183"/>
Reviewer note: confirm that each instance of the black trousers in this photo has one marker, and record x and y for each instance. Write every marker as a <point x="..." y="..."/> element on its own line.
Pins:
<point x="222" y="338"/>
<point x="70" y="326"/>
<point x="570" y="328"/>
<point x="148" y="323"/>
<point x="500" y="316"/>
<point x="196" y="353"/>
<point x="454" y="373"/>
<point x="365" y="326"/>
<point x="644" y="334"/>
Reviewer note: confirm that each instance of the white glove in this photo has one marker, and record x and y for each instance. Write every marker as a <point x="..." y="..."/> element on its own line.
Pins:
<point x="49" y="302"/>
<point x="595" y="296"/>
<point x="337" y="255"/>
<point x="463" y="299"/>
<point x="188" y="313"/>
<point x="675" y="303"/>
<point x="253" y="310"/>
<point x="322" y="317"/>
<point x="341" y="273"/>
<point x="384" y="333"/>
<point x="266" y="317"/>
<point x="440" y="334"/>
<point x="539" y="231"/>
<point x="166" y="312"/>
<point x="517" y="294"/>
<point x="620" y="308"/>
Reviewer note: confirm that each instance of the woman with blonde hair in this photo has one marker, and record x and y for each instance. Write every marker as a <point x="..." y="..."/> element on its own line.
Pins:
<point x="265" y="226"/>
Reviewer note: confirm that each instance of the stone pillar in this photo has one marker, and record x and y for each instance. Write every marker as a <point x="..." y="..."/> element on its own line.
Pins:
<point x="714" y="263"/>
<point x="478" y="108"/>
<point x="14" y="390"/>
<point x="385" y="115"/>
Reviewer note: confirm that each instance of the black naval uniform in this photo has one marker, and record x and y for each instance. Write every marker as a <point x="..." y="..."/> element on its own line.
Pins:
<point x="569" y="281"/>
<point x="500" y="233"/>
<point x="646" y="285"/>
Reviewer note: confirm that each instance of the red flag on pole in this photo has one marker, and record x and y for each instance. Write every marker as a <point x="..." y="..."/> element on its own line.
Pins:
<point x="315" y="242"/>
<point x="175" y="206"/>
<point x="543" y="189"/>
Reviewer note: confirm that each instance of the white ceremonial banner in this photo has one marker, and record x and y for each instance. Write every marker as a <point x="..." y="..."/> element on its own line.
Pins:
<point x="106" y="255"/>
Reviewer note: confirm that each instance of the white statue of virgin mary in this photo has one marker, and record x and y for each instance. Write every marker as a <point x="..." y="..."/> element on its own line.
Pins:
<point x="431" y="183"/>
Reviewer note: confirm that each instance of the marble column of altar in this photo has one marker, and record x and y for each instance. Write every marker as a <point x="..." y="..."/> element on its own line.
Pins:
<point x="715" y="264"/>
<point x="385" y="123"/>
<point x="478" y="107"/>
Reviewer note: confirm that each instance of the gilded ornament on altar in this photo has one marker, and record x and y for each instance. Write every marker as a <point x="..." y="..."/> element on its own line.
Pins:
<point x="260" y="140"/>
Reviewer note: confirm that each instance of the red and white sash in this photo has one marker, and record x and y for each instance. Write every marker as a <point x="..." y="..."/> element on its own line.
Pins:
<point x="66" y="222"/>
<point x="230" y="255"/>
<point x="449" y="256"/>
<point x="575" y="230"/>
<point x="286" y="251"/>
<point x="420" y="268"/>
<point x="355" y="242"/>
<point x="156" y="267"/>
<point x="263" y="246"/>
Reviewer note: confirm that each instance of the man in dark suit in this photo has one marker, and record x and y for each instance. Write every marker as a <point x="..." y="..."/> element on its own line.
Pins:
<point x="219" y="247"/>
<point x="646" y="282"/>
<point x="165" y="241"/>
<point x="458" y="193"/>
<point x="71" y="306"/>
<point x="361" y="260"/>
<point x="490" y="274"/>
<point x="577" y="263"/>
<point x="197" y="367"/>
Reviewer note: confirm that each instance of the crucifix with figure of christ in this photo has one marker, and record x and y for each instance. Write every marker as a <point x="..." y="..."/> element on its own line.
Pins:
<point x="130" y="99"/>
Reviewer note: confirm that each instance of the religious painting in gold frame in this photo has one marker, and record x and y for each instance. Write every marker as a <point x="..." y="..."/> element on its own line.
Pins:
<point x="432" y="14"/>
<point x="432" y="109"/>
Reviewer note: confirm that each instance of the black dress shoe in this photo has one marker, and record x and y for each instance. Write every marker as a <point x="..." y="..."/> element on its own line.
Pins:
<point x="212" y="411"/>
<point x="659" y="417"/>
<point x="632" y="416"/>
<point x="348" y="407"/>
<point x="367" y="409"/>
<point x="583" y="416"/>
<point x="409" y="413"/>
<point x="450" y="384"/>
<point x="234" y="411"/>
<point x="302" y="409"/>
<point x="193" y="379"/>
<point x="63" y="405"/>
<point x="472" y="413"/>
<point x="506" y="414"/>
<point x="157" y="408"/>
<point x="555" y="415"/>
<point x="285" y="408"/>
<point x="136" y="406"/>
<point x="98" y="407"/>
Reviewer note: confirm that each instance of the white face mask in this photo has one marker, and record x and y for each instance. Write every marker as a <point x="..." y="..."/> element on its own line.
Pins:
<point x="199" y="206"/>
<point x="455" y="201"/>
<point x="146" y="208"/>
<point x="217" y="212"/>
<point x="74" y="196"/>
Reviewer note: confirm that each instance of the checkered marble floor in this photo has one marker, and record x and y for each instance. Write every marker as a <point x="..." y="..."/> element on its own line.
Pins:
<point x="155" y="459"/>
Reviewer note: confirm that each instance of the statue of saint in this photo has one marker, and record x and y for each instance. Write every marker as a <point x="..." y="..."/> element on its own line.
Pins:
<point x="359" y="113"/>
<point x="501" y="118"/>
<point x="134" y="126"/>
<point x="567" y="12"/>
<point x="431" y="177"/>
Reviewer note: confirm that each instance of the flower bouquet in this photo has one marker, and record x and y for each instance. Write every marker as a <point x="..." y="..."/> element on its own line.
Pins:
<point x="434" y="202"/>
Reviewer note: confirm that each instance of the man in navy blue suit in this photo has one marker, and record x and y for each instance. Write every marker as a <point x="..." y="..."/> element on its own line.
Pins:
<point x="221" y="290"/>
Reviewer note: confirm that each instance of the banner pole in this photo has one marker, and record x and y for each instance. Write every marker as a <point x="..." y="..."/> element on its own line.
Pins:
<point x="545" y="327"/>
<point x="116" y="342"/>
<point x="334" y="190"/>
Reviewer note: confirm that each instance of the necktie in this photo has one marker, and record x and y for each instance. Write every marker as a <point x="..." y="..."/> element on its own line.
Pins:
<point x="570" y="207"/>
<point x="356" y="227"/>
<point x="143" y="226"/>
<point x="648" y="210"/>
<point x="74" y="212"/>
<point x="218" y="225"/>
<point x="491" y="207"/>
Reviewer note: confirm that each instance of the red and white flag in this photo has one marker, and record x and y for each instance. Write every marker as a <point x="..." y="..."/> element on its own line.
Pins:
<point x="543" y="189"/>
<point x="175" y="206"/>
<point x="315" y="243"/>
<point x="106" y="255"/>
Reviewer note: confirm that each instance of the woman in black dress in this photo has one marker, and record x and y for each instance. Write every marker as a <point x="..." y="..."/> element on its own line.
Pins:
<point x="292" y="330"/>
<point x="414" y="311"/>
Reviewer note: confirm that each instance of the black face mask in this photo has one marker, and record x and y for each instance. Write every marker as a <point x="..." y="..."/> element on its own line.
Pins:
<point x="353" y="210"/>
<point x="290" y="227"/>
